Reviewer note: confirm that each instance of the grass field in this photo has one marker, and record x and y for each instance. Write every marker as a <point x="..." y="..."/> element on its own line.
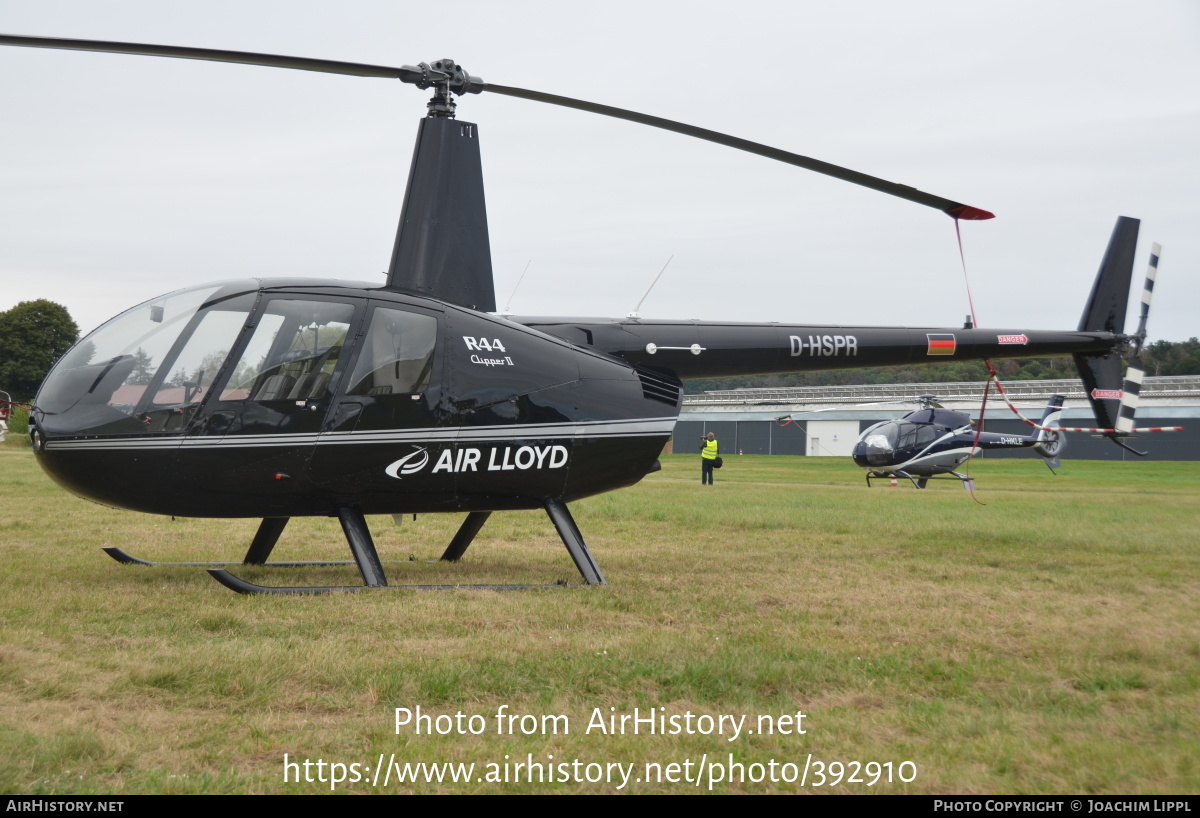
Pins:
<point x="1046" y="642"/>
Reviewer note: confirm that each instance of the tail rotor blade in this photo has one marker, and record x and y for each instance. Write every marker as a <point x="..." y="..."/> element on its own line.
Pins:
<point x="1132" y="388"/>
<point x="1148" y="288"/>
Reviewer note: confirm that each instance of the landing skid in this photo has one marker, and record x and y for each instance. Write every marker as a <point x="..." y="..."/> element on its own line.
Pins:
<point x="366" y="558"/>
<point x="919" y="481"/>
<point x="241" y="586"/>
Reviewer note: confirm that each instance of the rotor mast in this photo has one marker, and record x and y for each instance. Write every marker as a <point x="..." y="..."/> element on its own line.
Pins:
<point x="442" y="245"/>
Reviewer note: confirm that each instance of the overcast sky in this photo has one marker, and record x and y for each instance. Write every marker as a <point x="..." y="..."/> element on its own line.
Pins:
<point x="124" y="177"/>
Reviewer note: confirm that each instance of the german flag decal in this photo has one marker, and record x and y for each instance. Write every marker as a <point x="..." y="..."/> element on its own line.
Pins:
<point x="941" y="344"/>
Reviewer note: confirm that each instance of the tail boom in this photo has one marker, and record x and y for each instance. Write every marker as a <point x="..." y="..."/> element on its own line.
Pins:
<point x="708" y="349"/>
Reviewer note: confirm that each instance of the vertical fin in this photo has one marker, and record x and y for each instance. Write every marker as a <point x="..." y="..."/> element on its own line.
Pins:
<point x="1109" y="299"/>
<point x="1050" y="443"/>
<point x="1051" y="416"/>
<point x="1105" y="312"/>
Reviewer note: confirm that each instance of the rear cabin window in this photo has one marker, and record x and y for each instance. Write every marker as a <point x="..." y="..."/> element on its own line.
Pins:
<point x="397" y="354"/>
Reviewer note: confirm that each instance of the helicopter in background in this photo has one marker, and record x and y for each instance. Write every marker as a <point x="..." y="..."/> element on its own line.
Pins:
<point x="931" y="442"/>
<point x="275" y="398"/>
<point x="6" y="404"/>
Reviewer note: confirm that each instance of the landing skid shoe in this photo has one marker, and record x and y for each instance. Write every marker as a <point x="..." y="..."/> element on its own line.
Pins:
<point x="125" y="558"/>
<point x="354" y="525"/>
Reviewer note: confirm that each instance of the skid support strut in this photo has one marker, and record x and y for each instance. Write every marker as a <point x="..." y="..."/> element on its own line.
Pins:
<point x="466" y="533"/>
<point x="362" y="546"/>
<point x="264" y="540"/>
<point x="573" y="540"/>
<point x="354" y="525"/>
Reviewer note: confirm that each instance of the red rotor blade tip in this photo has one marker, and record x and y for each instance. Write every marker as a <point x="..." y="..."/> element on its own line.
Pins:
<point x="968" y="213"/>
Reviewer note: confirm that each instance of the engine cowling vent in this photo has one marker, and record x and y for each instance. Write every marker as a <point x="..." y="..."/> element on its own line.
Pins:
<point x="660" y="386"/>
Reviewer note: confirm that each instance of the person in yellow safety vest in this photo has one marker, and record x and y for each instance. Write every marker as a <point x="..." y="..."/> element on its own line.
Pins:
<point x="708" y="456"/>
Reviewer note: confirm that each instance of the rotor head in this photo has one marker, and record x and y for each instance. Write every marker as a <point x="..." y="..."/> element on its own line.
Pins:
<point x="445" y="77"/>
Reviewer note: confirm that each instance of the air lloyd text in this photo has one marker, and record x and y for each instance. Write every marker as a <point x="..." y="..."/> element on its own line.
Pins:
<point x="505" y="459"/>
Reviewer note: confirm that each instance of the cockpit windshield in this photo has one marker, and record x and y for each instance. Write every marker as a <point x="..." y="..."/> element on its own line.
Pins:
<point x="885" y="439"/>
<point x="147" y="369"/>
<point x="880" y="442"/>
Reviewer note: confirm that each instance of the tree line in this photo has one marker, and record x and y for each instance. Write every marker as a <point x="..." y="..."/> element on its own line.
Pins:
<point x="33" y="336"/>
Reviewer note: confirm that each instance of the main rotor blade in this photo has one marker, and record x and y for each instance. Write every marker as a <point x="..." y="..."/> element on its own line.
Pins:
<point x="463" y="83"/>
<point x="954" y="209"/>
<point x="405" y="74"/>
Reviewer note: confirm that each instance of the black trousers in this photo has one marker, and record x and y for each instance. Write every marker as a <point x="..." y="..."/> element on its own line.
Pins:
<point x="706" y="470"/>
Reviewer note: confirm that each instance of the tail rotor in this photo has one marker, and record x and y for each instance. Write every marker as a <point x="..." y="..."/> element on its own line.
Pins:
<point x="1114" y="399"/>
<point x="1131" y="389"/>
<point x="1051" y="441"/>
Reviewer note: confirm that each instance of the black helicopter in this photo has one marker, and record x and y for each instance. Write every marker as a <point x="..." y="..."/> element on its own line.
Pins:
<point x="277" y="398"/>
<point x="931" y="442"/>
